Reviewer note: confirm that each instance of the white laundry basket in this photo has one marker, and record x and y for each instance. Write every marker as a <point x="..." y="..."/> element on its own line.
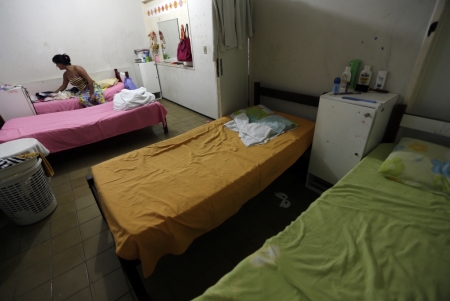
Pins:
<point x="26" y="196"/>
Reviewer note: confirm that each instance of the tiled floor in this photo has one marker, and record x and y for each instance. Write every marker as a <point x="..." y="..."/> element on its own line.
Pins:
<point x="70" y="254"/>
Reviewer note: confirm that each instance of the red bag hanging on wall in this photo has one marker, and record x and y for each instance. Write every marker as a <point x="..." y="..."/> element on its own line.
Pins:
<point x="184" y="47"/>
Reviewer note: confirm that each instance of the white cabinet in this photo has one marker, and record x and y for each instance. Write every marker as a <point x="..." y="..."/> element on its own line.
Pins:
<point x="15" y="103"/>
<point x="346" y="130"/>
<point x="147" y="76"/>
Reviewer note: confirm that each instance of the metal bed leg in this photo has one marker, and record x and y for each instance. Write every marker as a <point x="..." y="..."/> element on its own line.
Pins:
<point x="129" y="266"/>
<point x="166" y="128"/>
<point x="91" y="184"/>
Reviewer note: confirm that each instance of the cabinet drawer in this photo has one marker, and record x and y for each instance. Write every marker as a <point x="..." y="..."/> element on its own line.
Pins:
<point x="340" y="137"/>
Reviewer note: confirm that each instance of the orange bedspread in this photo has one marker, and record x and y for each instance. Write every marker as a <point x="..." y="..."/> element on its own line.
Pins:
<point x="158" y="199"/>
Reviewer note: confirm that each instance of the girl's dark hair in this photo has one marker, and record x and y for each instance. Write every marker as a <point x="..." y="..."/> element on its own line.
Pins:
<point x="61" y="59"/>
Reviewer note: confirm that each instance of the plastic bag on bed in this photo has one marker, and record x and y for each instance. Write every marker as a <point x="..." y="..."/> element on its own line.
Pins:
<point x="128" y="83"/>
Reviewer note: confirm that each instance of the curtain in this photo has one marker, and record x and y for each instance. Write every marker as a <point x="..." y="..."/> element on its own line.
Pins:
<point x="232" y="23"/>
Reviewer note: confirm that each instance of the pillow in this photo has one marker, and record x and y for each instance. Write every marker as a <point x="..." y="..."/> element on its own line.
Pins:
<point x="254" y="113"/>
<point x="419" y="164"/>
<point x="263" y="115"/>
<point x="106" y="83"/>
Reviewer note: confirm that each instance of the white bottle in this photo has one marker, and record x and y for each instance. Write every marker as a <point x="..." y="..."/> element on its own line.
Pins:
<point x="381" y="79"/>
<point x="345" y="80"/>
<point x="365" y="76"/>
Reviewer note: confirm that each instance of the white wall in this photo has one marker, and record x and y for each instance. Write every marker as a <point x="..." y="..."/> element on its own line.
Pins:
<point x="98" y="35"/>
<point x="302" y="45"/>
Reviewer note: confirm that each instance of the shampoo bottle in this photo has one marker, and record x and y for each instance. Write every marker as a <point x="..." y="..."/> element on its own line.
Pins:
<point x="365" y="76"/>
<point x="353" y="70"/>
<point x="345" y="80"/>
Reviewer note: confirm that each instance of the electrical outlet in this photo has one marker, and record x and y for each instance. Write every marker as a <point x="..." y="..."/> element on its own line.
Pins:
<point x="205" y="49"/>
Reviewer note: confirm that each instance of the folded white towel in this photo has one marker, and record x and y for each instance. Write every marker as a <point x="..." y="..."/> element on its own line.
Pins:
<point x="130" y="99"/>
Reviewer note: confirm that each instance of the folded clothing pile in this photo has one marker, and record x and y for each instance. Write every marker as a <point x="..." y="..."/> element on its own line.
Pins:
<point x="130" y="99"/>
<point x="258" y="124"/>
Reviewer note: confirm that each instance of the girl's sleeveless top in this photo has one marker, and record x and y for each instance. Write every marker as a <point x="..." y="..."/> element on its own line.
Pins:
<point x="78" y="82"/>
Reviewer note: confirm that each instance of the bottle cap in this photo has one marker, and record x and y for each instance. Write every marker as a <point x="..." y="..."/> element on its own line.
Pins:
<point x="337" y="80"/>
<point x="347" y="69"/>
<point x="367" y="67"/>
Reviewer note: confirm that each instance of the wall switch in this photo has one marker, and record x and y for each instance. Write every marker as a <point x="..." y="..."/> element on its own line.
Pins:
<point x="205" y="49"/>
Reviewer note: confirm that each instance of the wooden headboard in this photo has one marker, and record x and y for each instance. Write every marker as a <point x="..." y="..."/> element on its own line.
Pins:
<point x="117" y="74"/>
<point x="400" y="119"/>
<point x="283" y="95"/>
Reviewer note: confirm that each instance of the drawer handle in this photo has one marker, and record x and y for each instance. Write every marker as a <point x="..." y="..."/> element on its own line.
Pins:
<point x="367" y="115"/>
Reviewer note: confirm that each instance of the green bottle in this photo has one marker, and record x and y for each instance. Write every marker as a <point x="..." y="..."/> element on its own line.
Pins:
<point x="353" y="70"/>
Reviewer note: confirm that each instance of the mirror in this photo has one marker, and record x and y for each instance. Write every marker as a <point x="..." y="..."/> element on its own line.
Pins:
<point x="169" y="36"/>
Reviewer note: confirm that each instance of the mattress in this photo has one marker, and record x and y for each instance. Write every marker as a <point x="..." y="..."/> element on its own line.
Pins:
<point x="69" y="129"/>
<point x="368" y="238"/>
<point x="158" y="199"/>
<point x="72" y="103"/>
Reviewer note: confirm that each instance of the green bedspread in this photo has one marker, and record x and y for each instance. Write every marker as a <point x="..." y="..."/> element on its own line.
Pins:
<point x="367" y="238"/>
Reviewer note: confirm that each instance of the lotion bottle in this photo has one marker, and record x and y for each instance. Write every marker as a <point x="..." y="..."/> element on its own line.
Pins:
<point x="381" y="79"/>
<point x="345" y="80"/>
<point x="365" y="76"/>
<point x="354" y="70"/>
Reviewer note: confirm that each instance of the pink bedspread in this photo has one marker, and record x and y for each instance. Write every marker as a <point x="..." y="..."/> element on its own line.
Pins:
<point x="53" y="106"/>
<point x="64" y="130"/>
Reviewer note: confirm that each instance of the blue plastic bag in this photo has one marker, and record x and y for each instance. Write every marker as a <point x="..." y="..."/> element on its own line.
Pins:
<point x="129" y="85"/>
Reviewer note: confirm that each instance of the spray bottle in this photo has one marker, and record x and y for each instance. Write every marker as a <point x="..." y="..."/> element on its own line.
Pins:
<point x="345" y="80"/>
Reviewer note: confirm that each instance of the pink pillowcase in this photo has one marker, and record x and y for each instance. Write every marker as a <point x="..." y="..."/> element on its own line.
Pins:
<point x="111" y="91"/>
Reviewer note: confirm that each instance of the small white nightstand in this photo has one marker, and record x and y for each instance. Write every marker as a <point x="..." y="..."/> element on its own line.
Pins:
<point x="346" y="130"/>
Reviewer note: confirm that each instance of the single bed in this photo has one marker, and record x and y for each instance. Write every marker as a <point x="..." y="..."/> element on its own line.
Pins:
<point x="158" y="199"/>
<point x="367" y="238"/>
<point x="53" y="106"/>
<point x="69" y="129"/>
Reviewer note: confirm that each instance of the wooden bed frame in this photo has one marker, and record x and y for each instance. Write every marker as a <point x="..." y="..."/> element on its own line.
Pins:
<point x="129" y="266"/>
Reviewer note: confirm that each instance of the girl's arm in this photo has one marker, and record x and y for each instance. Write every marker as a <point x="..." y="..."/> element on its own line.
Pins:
<point x="64" y="84"/>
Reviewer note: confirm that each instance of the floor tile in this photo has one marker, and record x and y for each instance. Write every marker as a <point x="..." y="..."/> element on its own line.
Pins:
<point x="78" y="182"/>
<point x="34" y="238"/>
<point x="78" y="173"/>
<point x="7" y="288"/>
<point x="67" y="259"/>
<point x="41" y="293"/>
<point x="128" y="297"/>
<point x="64" y="198"/>
<point x="9" y="248"/>
<point x="85" y="201"/>
<point x="178" y="277"/>
<point x="92" y="227"/>
<point x="8" y="229"/>
<point x="65" y="240"/>
<point x="61" y="179"/>
<point x="63" y="210"/>
<point x="97" y="244"/>
<point x="102" y="264"/>
<point x="60" y="189"/>
<point x="33" y="256"/>
<point x="81" y="191"/>
<point x="110" y="287"/>
<point x="33" y="277"/>
<point x="70" y="282"/>
<point x="83" y="295"/>
<point x="88" y="213"/>
<point x="64" y="224"/>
